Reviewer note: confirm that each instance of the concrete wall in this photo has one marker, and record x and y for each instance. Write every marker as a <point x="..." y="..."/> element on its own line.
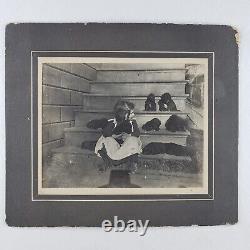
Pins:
<point x="63" y="87"/>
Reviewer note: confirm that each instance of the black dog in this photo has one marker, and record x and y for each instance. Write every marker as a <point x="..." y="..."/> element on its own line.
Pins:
<point x="166" y="103"/>
<point x="150" y="104"/>
<point x="124" y="127"/>
<point x="90" y="145"/>
<point x="176" y="123"/>
<point x="154" y="148"/>
<point x="154" y="124"/>
<point x="98" y="123"/>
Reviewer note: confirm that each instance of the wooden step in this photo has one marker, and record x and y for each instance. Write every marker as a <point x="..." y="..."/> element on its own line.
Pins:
<point x="82" y="117"/>
<point x="141" y="75"/>
<point x="78" y="151"/>
<point x="138" y="89"/>
<point x="137" y="66"/>
<point x="104" y="102"/>
<point x="76" y="135"/>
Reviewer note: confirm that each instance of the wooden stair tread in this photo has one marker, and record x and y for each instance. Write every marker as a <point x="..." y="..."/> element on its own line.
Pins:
<point x="77" y="150"/>
<point x="139" y="112"/>
<point x="72" y="150"/>
<point x="160" y="132"/>
<point x="142" y="97"/>
<point x="142" y="82"/>
<point x="138" y="88"/>
<point x="144" y="70"/>
<point x="142" y="66"/>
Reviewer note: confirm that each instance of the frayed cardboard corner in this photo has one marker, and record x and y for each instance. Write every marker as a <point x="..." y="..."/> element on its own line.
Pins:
<point x="236" y="35"/>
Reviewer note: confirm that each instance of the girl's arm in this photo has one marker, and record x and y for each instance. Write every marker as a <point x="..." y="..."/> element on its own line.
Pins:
<point x="135" y="129"/>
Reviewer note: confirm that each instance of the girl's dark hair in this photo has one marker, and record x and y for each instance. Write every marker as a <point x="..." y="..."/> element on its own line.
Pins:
<point x="121" y="109"/>
<point x="120" y="115"/>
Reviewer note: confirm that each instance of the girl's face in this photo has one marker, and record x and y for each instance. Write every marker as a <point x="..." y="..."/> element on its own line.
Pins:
<point x="122" y="115"/>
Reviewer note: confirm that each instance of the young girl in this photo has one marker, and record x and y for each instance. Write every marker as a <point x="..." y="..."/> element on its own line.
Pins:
<point x="121" y="136"/>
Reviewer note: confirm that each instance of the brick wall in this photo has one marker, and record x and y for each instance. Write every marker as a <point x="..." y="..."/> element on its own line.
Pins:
<point x="63" y="87"/>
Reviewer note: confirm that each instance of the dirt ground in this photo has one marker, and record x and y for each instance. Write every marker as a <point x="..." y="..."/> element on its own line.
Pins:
<point x="71" y="171"/>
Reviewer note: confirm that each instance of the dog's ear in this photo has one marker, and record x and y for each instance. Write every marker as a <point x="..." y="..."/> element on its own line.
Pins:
<point x="151" y="97"/>
<point x="166" y="97"/>
<point x="163" y="98"/>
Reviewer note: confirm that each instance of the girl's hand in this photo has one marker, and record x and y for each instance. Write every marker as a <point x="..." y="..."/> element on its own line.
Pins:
<point x="131" y="115"/>
<point x="115" y="122"/>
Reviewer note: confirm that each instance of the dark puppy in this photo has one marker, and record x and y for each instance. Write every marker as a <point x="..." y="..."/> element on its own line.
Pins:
<point x="154" y="148"/>
<point x="90" y="145"/>
<point x="166" y="103"/>
<point x="176" y="123"/>
<point x="150" y="104"/>
<point x="124" y="127"/>
<point x="98" y="123"/>
<point x="154" y="124"/>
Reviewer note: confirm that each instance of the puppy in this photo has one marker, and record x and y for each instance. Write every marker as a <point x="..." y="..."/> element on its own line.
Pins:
<point x="98" y="123"/>
<point x="154" y="124"/>
<point x="150" y="104"/>
<point x="90" y="145"/>
<point x="166" y="103"/>
<point x="124" y="127"/>
<point x="154" y="148"/>
<point x="176" y="123"/>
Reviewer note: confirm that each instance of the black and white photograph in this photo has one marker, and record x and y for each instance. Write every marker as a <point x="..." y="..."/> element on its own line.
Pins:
<point x="123" y="125"/>
<point x="105" y="127"/>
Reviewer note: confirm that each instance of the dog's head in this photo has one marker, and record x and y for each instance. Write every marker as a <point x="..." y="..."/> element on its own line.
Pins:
<point x="156" y="122"/>
<point x="151" y="98"/>
<point x="166" y="97"/>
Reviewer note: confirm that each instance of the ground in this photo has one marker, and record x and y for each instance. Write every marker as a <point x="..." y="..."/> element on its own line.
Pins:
<point x="75" y="171"/>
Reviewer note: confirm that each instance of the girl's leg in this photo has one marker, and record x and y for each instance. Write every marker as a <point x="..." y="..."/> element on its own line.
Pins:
<point x="132" y="145"/>
<point x="110" y="144"/>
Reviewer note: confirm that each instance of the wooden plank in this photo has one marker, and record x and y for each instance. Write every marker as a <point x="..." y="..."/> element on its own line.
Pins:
<point x="73" y="150"/>
<point x="136" y="66"/>
<point x="104" y="102"/>
<point x="138" y="89"/>
<point x="83" y="117"/>
<point x="141" y="76"/>
<point x="76" y="138"/>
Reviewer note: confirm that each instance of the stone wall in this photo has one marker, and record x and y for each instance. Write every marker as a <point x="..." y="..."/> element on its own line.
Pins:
<point x="63" y="87"/>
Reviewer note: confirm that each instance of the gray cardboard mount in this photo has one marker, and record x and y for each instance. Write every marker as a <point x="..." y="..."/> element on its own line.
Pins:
<point x="21" y="39"/>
